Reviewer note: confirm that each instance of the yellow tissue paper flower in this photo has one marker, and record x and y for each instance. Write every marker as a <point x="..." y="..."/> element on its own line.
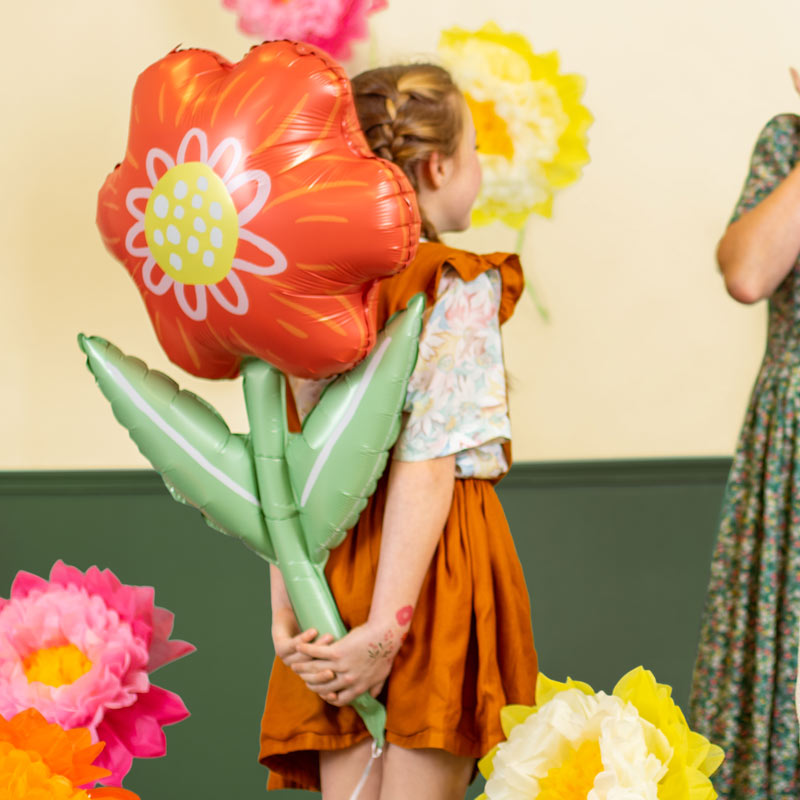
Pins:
<point x="694" y="757"/>
<point x="531" y="125"/>
<point x="576" y="742"/>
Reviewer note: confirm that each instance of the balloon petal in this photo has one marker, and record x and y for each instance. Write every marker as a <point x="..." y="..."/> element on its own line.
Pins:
<point x="258" y="174"/>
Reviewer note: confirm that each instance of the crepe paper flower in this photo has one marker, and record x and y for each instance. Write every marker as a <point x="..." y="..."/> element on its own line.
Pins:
<point x="42" y="761"/>
<point x="251" y="214"/>
<point x="329" y="24"/>
<point x="79" y="649"/>
<point x="575" y="744"/>
<point x="530" y="123"/>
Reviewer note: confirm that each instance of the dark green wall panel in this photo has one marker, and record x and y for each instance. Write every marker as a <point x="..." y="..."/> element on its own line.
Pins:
<point x="617" y="559"/>
<point x="616" y="555"/>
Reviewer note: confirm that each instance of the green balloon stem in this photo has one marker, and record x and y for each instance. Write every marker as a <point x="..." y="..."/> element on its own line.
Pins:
<point x="310" y="595"/>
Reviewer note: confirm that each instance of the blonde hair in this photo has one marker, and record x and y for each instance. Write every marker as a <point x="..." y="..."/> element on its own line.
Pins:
<point x="407" y="113"/>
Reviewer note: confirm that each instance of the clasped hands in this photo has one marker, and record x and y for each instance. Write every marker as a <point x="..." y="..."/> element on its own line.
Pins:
<point x="338" y="671"/>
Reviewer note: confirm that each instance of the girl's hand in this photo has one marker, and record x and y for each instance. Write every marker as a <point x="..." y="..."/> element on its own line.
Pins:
<point x="359" y="662"/>
<point x="795" y="79"/>
<point x="286" y="636"/>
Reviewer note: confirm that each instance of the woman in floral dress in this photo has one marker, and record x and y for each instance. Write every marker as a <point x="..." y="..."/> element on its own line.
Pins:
<point x="744" y="680"/>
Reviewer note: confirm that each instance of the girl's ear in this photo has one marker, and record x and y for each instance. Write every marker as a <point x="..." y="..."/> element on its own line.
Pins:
<point x="435" y="171"/>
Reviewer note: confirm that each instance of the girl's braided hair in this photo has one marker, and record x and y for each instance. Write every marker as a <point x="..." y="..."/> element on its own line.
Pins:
<point x="407" y="113"/>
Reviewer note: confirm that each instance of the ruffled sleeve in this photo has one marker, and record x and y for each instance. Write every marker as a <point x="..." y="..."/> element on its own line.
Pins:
<point x="456" y="401"/>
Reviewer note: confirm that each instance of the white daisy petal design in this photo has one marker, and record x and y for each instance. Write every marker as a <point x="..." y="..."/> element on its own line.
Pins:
<point x="264" y="184"/>
<point x="153" y="155"/>
<point x="162" y="285"/>
<point x="199" y="312"/>
<point x="226" y="144"/>
<point x="202" y="139"/>
<point x="130" y="238"/>
<point x="278" y="258"/>
<point x="242" y="302"/>
<point x="139" y="193"/>
<point x="191" y="225"/>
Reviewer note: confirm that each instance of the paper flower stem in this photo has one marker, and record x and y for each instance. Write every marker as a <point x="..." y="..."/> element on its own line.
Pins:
<point x="532" y="293"/>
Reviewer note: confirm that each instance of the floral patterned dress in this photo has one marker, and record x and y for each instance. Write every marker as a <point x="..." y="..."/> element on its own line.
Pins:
<point x="744" y="680"/>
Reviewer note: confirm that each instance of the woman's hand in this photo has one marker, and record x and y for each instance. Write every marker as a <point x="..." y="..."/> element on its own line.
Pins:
<point x="287" y="636"/>
<point x="795" y="79"/>
<point x="359" y="662"/>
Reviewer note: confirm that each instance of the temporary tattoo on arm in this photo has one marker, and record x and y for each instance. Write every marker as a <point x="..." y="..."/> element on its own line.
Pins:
<point x="383" y="649"/>
<point x="404" y="615"/>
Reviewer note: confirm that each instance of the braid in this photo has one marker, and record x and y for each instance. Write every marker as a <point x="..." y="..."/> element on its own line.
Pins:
<point x="407" y="113"/>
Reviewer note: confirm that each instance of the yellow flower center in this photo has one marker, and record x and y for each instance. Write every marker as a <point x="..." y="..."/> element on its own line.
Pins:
<point x="56" y="666"/>
<point x="191" y="224"/>
<point x="574" y="777"/>
<point x="491" y="128"/>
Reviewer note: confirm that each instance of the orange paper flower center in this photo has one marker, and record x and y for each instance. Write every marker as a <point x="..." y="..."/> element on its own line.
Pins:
<point x="191" y="224"/>
<point x="574" y="778"/>
<point x="492" y="130"/>
<point x="24" y="775"/>
<point x="56" y="666"/>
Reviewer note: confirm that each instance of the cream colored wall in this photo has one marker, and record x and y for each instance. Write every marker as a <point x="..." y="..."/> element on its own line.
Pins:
<point x="645" y="356"/>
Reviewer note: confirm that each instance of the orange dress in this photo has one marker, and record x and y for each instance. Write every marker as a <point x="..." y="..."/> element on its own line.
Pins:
<point x="469" y="650"/>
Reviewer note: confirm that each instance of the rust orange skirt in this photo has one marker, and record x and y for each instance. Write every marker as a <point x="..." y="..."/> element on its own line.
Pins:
<point x="469" y="650"/>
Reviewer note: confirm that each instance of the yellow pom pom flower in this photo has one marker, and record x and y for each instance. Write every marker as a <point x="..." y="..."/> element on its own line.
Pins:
<point x="531" y="125"/>
<point x="575" y="744"/>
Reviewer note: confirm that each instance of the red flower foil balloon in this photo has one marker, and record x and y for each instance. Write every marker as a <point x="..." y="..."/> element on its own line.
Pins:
<point x="251" y="213"/>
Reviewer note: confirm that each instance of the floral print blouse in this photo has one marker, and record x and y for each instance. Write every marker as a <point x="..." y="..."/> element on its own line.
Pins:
<point x="456" y="400"/>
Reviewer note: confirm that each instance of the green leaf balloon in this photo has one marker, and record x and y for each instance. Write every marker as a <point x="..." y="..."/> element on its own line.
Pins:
<point x="186" y="441"/>
<point x="291" y="497"/>
<point x="335" y="462"/>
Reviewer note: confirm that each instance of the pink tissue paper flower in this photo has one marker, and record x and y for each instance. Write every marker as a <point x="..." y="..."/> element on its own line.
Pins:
<point x="79" y="648"/>
<point x="329" y="24"/>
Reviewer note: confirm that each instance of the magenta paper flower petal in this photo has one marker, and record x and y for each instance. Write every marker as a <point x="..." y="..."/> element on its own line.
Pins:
<point x="139" y="734"/>
<point x="162" y="649"/>
<point x="136" y="732"/>
<point x="353" y="27"/>
<point x="115" y="757"/>
<point x="140" y="729"/>
<point x="167" y="706"/>
<point x="329" y="24"/>
<point x="25" y="583"/>
<point x="134" y="604"/>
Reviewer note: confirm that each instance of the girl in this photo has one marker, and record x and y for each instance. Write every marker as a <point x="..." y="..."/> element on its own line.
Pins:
<point x="743" y="691"/>
<point x="428" y="582"/>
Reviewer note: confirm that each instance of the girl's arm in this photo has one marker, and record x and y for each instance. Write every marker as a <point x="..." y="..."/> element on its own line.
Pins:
<point x="760" y="248"/>
<point x="418" y="502"/>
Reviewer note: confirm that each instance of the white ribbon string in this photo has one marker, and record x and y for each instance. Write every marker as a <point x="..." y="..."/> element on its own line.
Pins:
<point x="376" y="753"/>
